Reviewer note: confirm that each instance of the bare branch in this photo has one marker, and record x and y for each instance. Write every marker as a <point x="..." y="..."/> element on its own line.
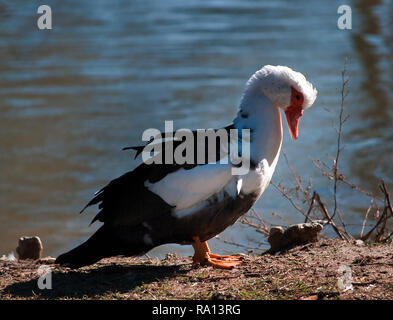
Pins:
<point x="365" y="218"/>
<point x="345" y="80"/>
<point x="380" y="220"/>
<point x="330" y="220"/>
<point x="387" y="196"/>
<point x="286" y="195"/>
<point x="310" y="208"/>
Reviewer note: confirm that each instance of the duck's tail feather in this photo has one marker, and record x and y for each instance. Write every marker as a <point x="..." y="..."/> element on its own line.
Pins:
<point x="107" y="242"/>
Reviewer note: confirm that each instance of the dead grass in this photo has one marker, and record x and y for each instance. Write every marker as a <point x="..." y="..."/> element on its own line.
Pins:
<point x="308" y="272"/>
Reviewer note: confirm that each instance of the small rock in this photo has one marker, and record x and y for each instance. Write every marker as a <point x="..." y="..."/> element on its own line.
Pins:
<point x="359" y="243"/>
<point x="169" y="257"/>
<point x="294" y="235"/>
<point x="9" y="257"/>
<point x="221" y="296"/>
<point x="29" y="248"/>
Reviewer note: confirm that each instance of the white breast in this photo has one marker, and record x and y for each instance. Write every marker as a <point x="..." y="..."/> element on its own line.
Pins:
<point x="256" y="181"/>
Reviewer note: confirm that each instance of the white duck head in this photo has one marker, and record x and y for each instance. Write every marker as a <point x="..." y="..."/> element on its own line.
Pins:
<point x="285" y="88"/>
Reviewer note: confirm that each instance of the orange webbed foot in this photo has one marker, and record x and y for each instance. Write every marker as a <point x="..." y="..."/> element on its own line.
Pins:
<point x="203" y="256"/>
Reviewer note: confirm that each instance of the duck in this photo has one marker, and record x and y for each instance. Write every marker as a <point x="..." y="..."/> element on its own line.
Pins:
<point x="190" y="203"/>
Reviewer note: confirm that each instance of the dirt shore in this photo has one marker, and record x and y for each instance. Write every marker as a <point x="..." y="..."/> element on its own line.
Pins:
<point x="307" y="272"/>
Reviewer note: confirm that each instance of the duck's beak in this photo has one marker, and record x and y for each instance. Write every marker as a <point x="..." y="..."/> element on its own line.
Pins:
<point x="293" y="114"/>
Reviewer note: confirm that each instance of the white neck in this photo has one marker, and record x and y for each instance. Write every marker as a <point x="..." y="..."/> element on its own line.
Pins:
<point x="258" y="114"/>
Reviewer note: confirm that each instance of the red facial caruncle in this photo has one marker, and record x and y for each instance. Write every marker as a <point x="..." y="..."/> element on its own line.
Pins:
<point x="294" y="111"/>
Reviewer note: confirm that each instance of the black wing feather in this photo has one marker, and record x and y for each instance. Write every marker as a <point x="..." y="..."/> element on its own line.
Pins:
<point x="126" y="200"/>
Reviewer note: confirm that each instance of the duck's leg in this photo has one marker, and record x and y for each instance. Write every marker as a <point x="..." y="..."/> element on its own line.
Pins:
<point x="203" y="256"/>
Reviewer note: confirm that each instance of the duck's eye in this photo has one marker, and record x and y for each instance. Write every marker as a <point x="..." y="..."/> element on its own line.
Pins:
<point x="297" y="97"/>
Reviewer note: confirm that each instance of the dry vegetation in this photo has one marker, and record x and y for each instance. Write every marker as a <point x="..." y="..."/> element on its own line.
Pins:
<point x="307" y="272"/>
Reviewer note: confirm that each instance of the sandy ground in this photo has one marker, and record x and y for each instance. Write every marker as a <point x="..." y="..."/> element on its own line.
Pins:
<point x="328" y="269"/>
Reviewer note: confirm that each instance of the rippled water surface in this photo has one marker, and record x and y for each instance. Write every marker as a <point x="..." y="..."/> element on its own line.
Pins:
<point x="72" y="97"/>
